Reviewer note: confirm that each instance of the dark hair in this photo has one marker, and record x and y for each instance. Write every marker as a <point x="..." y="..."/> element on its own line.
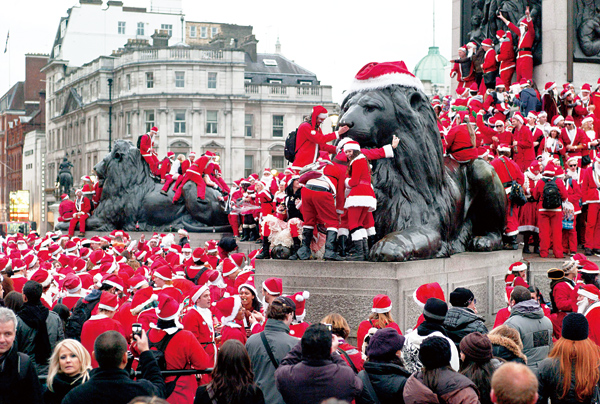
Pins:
<point x="109" y="348"/>
<point x="148" y="400"/>
<point x="589" y="279"/>
<point x="316" y="342"/>
<point x="256" y="304"/>
<point x="33" y="291"/>
<point x="480" y="374"/>
<point x="232" y="374"/>
<point x="432" y="377"/>
<point x="278" y="311"/>
<point x="105" y="287"/>
<point x="14" y="301"/>
<point x="540" y="297"/>
<point x="520" y="294"/>
<point x="63" y="312"/>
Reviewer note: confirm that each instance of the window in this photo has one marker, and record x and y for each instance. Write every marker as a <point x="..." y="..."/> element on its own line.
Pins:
<point x="248" y="121"/>
<point x="149" y="80"/>
<point x="305" y="83"/>
<point x="128" y="123"/>
<point x="270" y="62"/>
<point x="179" y="79"/>
<point x="179" y="121"/>
<point x="214" y="31"/>
<point x="278" y="163"/>
<point x="193" y="31"/>
<point x="211" y="122"/>
<point x="140" y="28"/>
<point x="247" y="80"/>
<point x="277" y="125"/>
<point x="203" y="32"/>
<point x="122" y="27"/>
<point x="274" y="81"/>
<point x="128" y="81"/>
<point x="149" y="119"/>
<point x="248" y="165"/>
<point x="212" y="80"/>
<point x="168" y="28"/>
<point x="29" y="166"/>
<point x="28" y="152"/>
<point x="95" y="127"/>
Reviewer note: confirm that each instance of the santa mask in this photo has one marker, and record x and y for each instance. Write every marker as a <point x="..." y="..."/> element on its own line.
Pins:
<point x="582" y="305"/>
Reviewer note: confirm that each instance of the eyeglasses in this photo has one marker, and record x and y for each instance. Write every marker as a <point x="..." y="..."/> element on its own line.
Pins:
<point x="499" y="126"/>
<point x="572" y="165"/>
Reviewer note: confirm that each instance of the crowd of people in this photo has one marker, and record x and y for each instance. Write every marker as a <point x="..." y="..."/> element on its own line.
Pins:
<point x="86" y="315"/>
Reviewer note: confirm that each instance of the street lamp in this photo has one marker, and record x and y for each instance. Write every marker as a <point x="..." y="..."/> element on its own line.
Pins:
<point x="334" y="121"/>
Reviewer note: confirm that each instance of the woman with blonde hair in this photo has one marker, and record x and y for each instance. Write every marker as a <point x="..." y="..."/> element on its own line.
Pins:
<point x="340" y="327"/>
<point x="380" y="317"/>
<point x="69" y="367"/>
<point x="570" y="373"/>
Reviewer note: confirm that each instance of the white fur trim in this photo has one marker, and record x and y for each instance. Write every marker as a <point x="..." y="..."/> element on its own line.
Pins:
<point x="138" y="309"/>
<point x="503" y="149"/>
<point x="389" y="150"/>
<point x="106" y="307"/>
<point x="343" y="232"/>
<point x="74" y="290"/>
<point x="417" y="301"/>
<point x="237" y="303"/>
<point x="385" y="80"/>
<point x="351" y="146"/>
<point x="587" y="294"/>
<point x="114" y="284"/>
<point x="332" y="229"/>
<point x="158" y="275"/>
<point x="304" y="296"/>
<point x="270" y="292"/>
<point x="371" y="231"/>
<point x="518" y="268"/>
<point x="366" y="201"/>
<point x="381" y="311"/>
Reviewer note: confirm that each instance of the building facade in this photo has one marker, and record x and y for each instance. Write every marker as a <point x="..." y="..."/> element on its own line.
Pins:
<point x="34" y="177"/>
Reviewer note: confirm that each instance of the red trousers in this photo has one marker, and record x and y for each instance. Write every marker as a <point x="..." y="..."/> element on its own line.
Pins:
<point x="152" y="161"/>
<point x="524" y="66"/>
<point x="550" y="224"/>
<point x="592" y="227"/>
<point x="512" y="219"/>
<point x="200" y="186"/>
<point x="235" y="224"/>
<point x="370" y="224"/>
<point x="319" y="207"/>
<point x="506" y="76"/>
<point x="357" y="217"/>
<point x="168" y="181"/>
<point x="222" y="184"/>
<point x="81" y="219"/>
<point x="569" y="240"/>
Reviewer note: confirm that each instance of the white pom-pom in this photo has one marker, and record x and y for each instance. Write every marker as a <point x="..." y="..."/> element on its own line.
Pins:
<point x="299" y="298"/>
<point x="226" y="294"/>
<point x="306" y="294"/>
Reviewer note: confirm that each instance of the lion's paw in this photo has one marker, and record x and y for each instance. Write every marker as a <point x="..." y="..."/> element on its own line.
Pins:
<point x="385" y="251"/>
<point x="412" y="243"/>
<point x="490" y="242"/>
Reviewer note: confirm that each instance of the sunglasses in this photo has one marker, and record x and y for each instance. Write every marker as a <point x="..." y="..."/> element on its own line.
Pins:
<point x="572" y="165"/>
<point x="499" y="126"/>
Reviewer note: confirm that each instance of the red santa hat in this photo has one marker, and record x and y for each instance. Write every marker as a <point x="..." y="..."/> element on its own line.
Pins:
<point x="64" y="197"/>
<point x="519" y="117"/>
<point x="554" y="129"/>
<point x="138" y="281"/>
<point x="229" y="307"/>
<point x="85" y="252"/>
<point x="30" y="260"/>
<point x="426" y="291"/>
<point x="589" y="291"/>
<point x="175" y="248"/>
<point x="434" y="101"/>
<point x="487" y="42"/>
<point x="351" y="145"/>
<point x="199" y="255"/>
<point x="373" y="76"/>
<point x="508" y="292"/>
<point x="463" y="48"/>
<point x="569" y="120"/>
<point x="209" y="275"/>
<point x="532" y="114"/>
<point x="318" y="112"/>
<point x="503" y="147"/>
<point x="589" y="118"/>
<point x="300" y="299"/>
<point x="168" y="308"/>
<point x="551" y="85"/>
<point x="186" y="248"/>
<point x="114" y="281"/>
<point x="197" y="291"/>
<point x="70" y="246"/>
<point x="549" y="170"/>
<point x="170" y="154"/>
<point x="108" y="301"/>
<point x="474" y="88"/>
<point x="142" y="298"/>
<point x="589" y="268"/>
<point x="164" y="272"/>
<point x="586" y="87"/>
<point x="524" y="82"/>
<point x="462" y="91"/>
<point x="229" y="267"/>
<point x="211" y="246"/>
<point x="72" y="283"/>
<point x="245" y="280"/>
<point x="381" y="304"/>
<point x="96" y="256"/>
<point x="500" y="83"/>
<point x="499" y="34"/>
<point x="273" y="286"/>
<point x="534" y="166"/>
<point x="42" y="277"/>
<point x="154" y="129"/>
<point x="517" y="267"/>
<point x="18" y="265"/>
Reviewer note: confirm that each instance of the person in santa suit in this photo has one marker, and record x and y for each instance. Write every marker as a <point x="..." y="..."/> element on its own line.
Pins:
<point x="173" y="174"/>
<point x="101" y="322"/>
<point x="234" y="205"/>
<point x="522" y="142"/>
<point x="460" y="143"/>
<point x="526" y="35"/>
<point x="65" y="209"/>
<point x="493" y="137"/>
<point x="264" y="198"/>
<point x="340" y="328"/>
<point x="45" y="279"/>
<point x="19" y="277"/>
<point x="496" y="101"/>
<point x="253" y="308"/>
<point x="574" y="139"/>
<point x="475" y="102"/>
<point x="143" y="307"/>
<point x="551" y="147"/>
<point x="163" y="281"/>
<point x="549" y="105"/>
<point x="517" y="273"/>
<point x="550" y="219"/>
<point x="185" y="164"/>
<point x="215" y="173"/>
<point x="509" y="171"/>
<point x="182" y="351"/>
<point x="571" y="210"/>
<point x="270" y="181"/>
<point x="165" y="166"/>
<point x="199" y="321"/>
<point x="506" y="56"/>
<point x="463" y="68"/>
<point x="147" y="150"/>
<point x="298" y="325"/>
<point x="504" y="313"/>
<point x="380" y="317"/>
<point x="590" y="185"/>
<point x="72" y="286"/>
<point x="588" y="304"/>
<point x="528" y="213"/>
<point x="81" y="213"/>
<point x="489" y="65"/>
<point x="424" y="292"/>
<point x="582" y="102"/>
<point x="233" y="314"/>
<point x="309" y="136"/>
<point x="360" y="200"/>
<point x="587" y="126"/>
<point x="197" y="174"/>
<point x="537" y="134"/>
<point x="563" y="294"/>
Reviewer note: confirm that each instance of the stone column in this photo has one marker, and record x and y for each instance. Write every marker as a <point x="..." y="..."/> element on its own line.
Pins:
<point x="163" y="128"/>
<point x="554" y="44"/>
<point x="196" y="129"/>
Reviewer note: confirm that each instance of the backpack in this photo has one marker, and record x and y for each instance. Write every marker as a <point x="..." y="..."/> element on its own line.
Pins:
<point x="159" y="355"/>
<point x="289" y="150"/>
<point x="82" y="311"/>
<point x="551" y="198"/>
<point x="139" y="140"/>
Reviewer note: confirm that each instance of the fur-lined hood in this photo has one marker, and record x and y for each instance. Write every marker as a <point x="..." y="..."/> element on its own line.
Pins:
<point x="509" y="344"/>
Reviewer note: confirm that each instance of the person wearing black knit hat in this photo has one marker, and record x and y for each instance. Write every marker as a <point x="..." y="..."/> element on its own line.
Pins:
<point x="579" y="355"/>
<point x="434" y="313"/>
<point x="478" y="363"/>
<point x="462" y="318"/>
<point x="437" y="381"/>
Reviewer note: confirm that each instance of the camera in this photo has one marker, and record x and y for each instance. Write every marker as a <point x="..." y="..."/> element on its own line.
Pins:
<point x="136" y="329"/>
<point x="328" y="326"/>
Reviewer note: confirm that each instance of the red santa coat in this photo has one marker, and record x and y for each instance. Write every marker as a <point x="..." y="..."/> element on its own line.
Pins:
<point x="577" y="137"/>
<point x="565" y="299"/>
<point x="525" y="152"/>
<point x="501" y="164"/>
<point x="538" y="192"/>
<point x="475" y="103"/>
<point x="308" y="140"/>
<point x="459" y="144"/>
<point x="553" y="148"/>
<point x="489" y="62"/>
<point x="146" y="145"/>
<point x="353" y="353"/>
<point x="165" y="167"/>
<point x="528" y="212"/>
<point x="202" y="327"/>
<point x="172" y="292"/>
<point x="506" y="56"/>
<point x="265" y="199"/>
<point x="183" y="352"/>
<point x="297" y="330"/>
<point x="147" y="317"/>
<point x="96" y="325"/>
<point x="233" y="330"/>
<point x="502" y="316"/>
<point x="69" y="300"/>
<point x="124" y="316"/>
<point x="592" y="315"/>
<point x="574" y="194"/>
<point x="18" y="282"/>
<point x="361" y="191"/>
<point x="524" y="49"/>
<point x="365" y="326"/>
<point x="589" y="186"/>
<point x="66" y="210"/>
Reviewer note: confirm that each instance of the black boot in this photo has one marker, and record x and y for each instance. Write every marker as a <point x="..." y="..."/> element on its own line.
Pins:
<point x="296" y="245"/>
<point x="587" y="251"/>
<point x="304" y="252"/>
<point x="512" y="243"/>
<point x="245" y="233"/>
<point x="367" y="248"/>
<point x="536" y="243"/>
<point x="265" y="254"/>
<point x="357" y="250"/>
<point x="371" y="241"/>
<point x="341" y="245"/>
<point x="252" y="233"/>
<point x="526" y="236"/>
<point x="330" y="244"/>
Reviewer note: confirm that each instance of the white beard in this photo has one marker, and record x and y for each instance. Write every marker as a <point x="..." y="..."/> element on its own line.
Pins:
<point x="522" y="30"/>
<point x="583" y="305"/>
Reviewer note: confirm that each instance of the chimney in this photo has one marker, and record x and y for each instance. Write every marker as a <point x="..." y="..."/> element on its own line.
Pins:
<point x="278" y="47"/>
<point x="160" y="38"/>
<point x="249" y="46"/>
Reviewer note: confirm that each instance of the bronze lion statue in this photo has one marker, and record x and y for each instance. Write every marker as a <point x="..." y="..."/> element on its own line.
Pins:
<point x="130" y="197"/>
<point x="428" y="205"/>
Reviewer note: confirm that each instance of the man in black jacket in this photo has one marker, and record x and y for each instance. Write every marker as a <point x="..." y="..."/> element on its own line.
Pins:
<point x="18" y="377"/>
<point x="110" y="383"/>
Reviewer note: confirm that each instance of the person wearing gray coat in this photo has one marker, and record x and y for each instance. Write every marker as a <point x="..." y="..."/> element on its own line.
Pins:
<point x="535" y="329"/>
<point x="280" y="314"/>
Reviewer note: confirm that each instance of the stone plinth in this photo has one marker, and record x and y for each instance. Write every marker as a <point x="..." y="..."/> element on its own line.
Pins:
<point x="348" y="287"/>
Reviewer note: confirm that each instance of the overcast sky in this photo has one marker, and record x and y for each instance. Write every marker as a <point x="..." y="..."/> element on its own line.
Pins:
<point x="331" y="38"/>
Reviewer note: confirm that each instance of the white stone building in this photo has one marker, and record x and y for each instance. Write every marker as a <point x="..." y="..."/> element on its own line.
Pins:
<point x="34" y="179"/>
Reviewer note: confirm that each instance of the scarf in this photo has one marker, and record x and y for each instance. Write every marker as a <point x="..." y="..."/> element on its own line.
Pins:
<point x="35" y="315"/>
<point x="429" y="327"/>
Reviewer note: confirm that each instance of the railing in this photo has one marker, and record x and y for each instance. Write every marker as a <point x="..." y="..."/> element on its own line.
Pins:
<point x="299" y="92"/>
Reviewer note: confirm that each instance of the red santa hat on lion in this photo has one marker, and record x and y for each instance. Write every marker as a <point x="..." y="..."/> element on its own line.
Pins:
<point x="374" y="76"/>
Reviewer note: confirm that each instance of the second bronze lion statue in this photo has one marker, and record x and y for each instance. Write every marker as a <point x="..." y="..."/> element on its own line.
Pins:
<point x="428" y="205"/>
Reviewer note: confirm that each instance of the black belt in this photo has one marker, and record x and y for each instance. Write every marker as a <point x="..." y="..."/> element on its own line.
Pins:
<point x="206" y="343"/>
<point x="319" y="188"/>
<point x="462" y="148"/>
<point x="525" y="49"/>
<point x="507" y="184"/>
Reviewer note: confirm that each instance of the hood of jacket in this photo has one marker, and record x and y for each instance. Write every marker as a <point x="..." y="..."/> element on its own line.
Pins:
<point x="528" y="309"/>
<point x="459" y="317"/>
<point x="507" y="343"/>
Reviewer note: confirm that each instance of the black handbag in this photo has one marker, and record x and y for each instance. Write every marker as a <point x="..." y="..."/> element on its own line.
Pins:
<point x="516" y="195"/>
